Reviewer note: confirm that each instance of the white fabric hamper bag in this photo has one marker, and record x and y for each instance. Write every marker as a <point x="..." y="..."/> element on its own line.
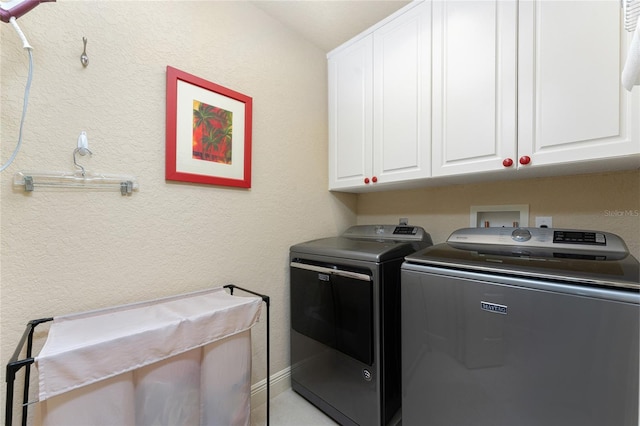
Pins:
<point x="181" y="360"/>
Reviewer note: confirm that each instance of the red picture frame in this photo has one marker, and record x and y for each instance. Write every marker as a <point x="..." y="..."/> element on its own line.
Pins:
<point x="208" y="132"/>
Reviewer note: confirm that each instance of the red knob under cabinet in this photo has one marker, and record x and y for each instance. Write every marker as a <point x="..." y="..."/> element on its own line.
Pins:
<point x="508" y="162"/>
<point x="366" y="180"/>
<point x="374" y="179"/>
<point x="525" y="159"/>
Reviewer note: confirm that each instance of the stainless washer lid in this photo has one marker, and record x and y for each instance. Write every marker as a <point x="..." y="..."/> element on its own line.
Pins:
<point x="373" y="243"/>
<point x="569" y="255"/>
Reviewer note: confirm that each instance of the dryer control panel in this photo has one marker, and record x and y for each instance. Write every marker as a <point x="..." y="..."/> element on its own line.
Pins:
<point x="388" y="232"/>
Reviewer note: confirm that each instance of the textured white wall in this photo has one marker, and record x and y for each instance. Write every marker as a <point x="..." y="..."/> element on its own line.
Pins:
<point x="65" y="252"/>
<point x="604" y="202"/>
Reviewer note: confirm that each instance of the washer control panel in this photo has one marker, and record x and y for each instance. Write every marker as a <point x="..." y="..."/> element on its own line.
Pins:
<point x="541" y="241"/>
<point x="521" y="234"/>
<point x="579" y="237"/>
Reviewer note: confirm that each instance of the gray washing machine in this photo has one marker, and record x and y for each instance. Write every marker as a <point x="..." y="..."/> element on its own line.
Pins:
<point x="345" y="321"/>
<point x="526" y="327"/>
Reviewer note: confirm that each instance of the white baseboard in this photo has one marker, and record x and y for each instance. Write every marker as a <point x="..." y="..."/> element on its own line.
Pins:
<point x="280" y="382"/>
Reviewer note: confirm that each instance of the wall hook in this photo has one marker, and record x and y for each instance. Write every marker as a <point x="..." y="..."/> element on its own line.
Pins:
<point x="84" y="59"/>
<point x="82" y="149"/>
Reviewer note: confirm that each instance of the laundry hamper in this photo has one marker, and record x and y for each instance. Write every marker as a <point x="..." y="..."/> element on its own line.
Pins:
<point x="181" y="360"/>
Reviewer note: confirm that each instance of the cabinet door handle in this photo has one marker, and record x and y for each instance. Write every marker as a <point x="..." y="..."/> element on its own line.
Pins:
<point x="374" y="179"/>
<point x="508" y="162"/>
<point x="525" y="159"/>
<point x="366" y="180"/>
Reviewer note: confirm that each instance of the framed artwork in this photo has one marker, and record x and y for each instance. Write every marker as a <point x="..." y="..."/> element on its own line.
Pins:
<point x="208" y="132"/>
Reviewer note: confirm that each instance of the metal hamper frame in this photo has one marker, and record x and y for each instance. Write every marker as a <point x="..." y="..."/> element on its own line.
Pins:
<point x="16" y="364"/>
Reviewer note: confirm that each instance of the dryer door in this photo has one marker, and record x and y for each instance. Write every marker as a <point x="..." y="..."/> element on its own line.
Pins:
<point x="333" y="304"/>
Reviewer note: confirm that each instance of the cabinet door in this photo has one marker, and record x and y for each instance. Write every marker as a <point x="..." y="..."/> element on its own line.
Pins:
<point x="572" y="106"/>
<point x="350" y="114"/>
<point x="474" y="85"/>
<point x="402" y="97"/>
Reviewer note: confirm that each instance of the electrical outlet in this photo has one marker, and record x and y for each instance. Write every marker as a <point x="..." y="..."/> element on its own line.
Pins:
<point x="544" y="222"/>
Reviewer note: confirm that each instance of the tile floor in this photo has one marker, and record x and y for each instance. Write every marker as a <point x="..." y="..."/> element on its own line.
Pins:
<point x="290" y="409"/>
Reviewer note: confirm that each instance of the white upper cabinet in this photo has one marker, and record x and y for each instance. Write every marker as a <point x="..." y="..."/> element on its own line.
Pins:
<point x="552" y="99"/>
<point x="351" y="114"/>
<point x="451" y="89"/>
<point x="571" y="105"/>
<point x="379" y="104"/>
<point x="402" y="97"/>
<point x="474" y="85"/>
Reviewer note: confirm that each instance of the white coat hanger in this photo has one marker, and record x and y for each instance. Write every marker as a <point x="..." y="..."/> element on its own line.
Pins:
<point x="79" y="179"/>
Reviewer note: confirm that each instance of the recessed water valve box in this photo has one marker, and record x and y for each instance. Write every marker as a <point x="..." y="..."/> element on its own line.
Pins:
<point x="499" y="216"/>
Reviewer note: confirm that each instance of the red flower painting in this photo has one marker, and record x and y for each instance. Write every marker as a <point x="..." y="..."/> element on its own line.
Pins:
<point x="212" y="129"/>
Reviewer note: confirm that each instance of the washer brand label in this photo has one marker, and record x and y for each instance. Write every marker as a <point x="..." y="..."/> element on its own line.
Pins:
<point x="324" y="277"/>
<point x="493" y="307"/>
